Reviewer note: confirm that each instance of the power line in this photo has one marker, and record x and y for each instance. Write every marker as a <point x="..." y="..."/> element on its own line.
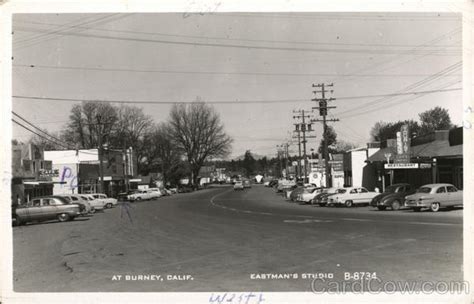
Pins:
<point x="38" y="134"/>
<point x="37" y="128"/>
<point x="227" y="38"/>
<point x="402" y="92"/>
<point x="221" y="102"/>
<point x="50" y="35"/>
<point x="102" y="69"/>
<point x="298" y="49"/>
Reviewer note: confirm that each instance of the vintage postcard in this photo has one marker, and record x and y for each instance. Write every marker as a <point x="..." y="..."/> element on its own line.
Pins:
<point x="203" y="152"/>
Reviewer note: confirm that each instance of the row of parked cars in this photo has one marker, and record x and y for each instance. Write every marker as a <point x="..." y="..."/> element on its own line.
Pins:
<point x="395" y="197"/>
<point x="66" y="207"/>
<point x="63" y="207"/>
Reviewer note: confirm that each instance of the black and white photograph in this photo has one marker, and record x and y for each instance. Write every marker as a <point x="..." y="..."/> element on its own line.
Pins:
<point x="237" y="154"/>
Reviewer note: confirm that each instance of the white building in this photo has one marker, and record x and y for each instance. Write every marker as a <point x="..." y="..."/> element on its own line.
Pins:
<point x="354" y="163"/>
<point x="67" y="163"/>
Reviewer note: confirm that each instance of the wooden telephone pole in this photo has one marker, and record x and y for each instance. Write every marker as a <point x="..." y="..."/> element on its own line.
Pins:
<point x="303" y="127"/>
<point x="323" y="111"/>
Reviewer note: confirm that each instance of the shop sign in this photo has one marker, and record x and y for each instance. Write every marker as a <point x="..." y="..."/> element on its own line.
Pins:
<point x="48" y="173"/>
<point x="403" y="145"/>
<point x="337" y="165"/>
<point x="401" y="166"/>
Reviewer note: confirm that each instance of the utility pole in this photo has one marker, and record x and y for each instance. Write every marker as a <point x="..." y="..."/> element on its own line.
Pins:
<point x="101" y="154"/>
<point x="283" y="148"/>
<point x="279" y="159"/>
<point x="323" y="111"/>
<point x="299" y="149"/>
<point x="303" y="127"/>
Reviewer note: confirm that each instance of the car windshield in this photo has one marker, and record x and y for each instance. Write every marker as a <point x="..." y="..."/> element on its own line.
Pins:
<point x="341" y="191"/>
<point x="423" y="190"/>
<point x="390" y="189"/>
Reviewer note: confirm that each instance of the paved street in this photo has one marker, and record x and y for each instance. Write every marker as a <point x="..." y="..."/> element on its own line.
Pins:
<point x="216" y="239"/>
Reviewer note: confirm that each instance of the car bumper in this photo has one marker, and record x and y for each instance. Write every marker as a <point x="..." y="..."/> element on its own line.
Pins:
<point x="415" y="204"/>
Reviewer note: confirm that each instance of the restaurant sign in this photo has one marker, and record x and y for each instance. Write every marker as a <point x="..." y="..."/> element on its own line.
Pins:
<point x="403" y="145"/>
<point x="401" y="166"/>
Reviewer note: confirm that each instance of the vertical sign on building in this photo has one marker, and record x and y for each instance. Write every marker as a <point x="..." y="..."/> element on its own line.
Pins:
<point x="403" y="146"/>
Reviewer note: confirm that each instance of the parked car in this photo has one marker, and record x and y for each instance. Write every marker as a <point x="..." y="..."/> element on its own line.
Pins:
<point x="45" y="209"/>
<point x="109" y="202"/>
<point x="96" y="204"/>
<point x="284" y="184"/>
<point x="238" y="185"/>
<point x="185" y="189"/>
<point x="161" y="192"/>
<point x="145" y="194"/>
<point x="321" y="198"/>
<point x="308" y="194"/>
<point x="273" y="183"/>
<point x="247" y="184"/>
<point x="393" y="196"/>
<point x="172" y="190"/>
<point x="434" y="197"/>
<point x="297" y="190"/>
<point x="352" y="196"/>
<point x="77" y="199"/>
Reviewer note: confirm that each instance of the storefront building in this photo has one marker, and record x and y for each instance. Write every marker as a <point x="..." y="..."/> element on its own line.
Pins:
<point x="79" y="171"/>
<point x="31" y="174"/>
<point x="436" y="157"/>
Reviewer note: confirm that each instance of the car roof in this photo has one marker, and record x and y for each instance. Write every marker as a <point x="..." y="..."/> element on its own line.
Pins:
<point x="436" y="185"/>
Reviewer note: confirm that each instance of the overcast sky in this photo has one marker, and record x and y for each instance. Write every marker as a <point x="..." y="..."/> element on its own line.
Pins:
<point x="240" y="57"/>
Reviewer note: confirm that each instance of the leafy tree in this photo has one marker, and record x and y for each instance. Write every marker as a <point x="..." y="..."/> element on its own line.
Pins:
<point x="343" y="146"/>
<point x="331" y="138"/>
<point x="382" y="131"/>
<point x="435" y="119"/>
<point x="249" y="163"/>
<point x="199" y="134"/>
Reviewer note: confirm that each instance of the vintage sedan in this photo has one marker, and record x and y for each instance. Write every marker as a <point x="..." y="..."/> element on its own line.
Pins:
<point x="247" y="184"/>
<point x="238" y="185"/>
<point x="393" y="196"/>
<point x="321" y="198"/>
<point x="308" y="195"/>
<point x="434" y="197"/>
<point x="145" y="194"/>
<point x="353" y="196"/>
<point x="77" y="199"/>
<point x="46" y="209"/>
<point x="95" y="203"/>
<point x="109" y="202"/>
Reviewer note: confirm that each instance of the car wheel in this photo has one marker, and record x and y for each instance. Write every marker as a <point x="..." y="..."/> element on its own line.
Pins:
<point x="348" y="203"/>
<point x="138" y="199"/>
<point x="108" y="205"/>
<point x="434" y="207"/>
<point x="417" y="209"/>
<point x="63" y="217"/>
<point x="381" y="208"/>
<point x="92" y="210"/>
<point x="396" y="205"/>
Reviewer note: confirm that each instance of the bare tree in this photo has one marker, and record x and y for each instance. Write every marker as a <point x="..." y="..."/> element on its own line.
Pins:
<point x="130" y="130"/>
<point x="199" y="134"/>
<point x="87" y="122"/>
<point x="160" y="153"/>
